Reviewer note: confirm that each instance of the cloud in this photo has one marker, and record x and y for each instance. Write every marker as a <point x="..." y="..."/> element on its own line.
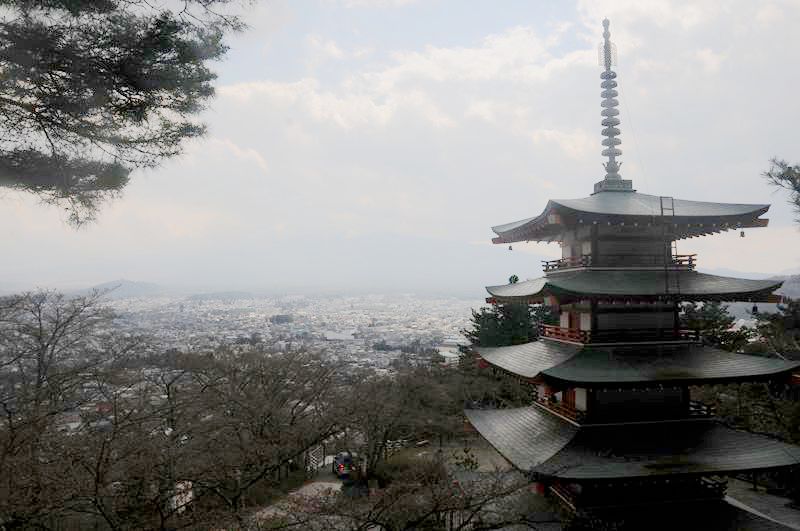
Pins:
<point x="324" y="48"/>
<point x="518" y="54"/>
<point x="345" y="108"/>
<point x="710" y="60"/>
<point x="576" y="144"/>
<point x="230" y="148"/>
<point x="682" y="14"/>
<point x="335" y="172"/>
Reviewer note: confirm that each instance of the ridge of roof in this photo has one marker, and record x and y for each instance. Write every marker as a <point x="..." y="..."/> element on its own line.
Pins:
<point x="636" y="205"/>
<point x="688" y="285"/>
<point x="589" y="365"/>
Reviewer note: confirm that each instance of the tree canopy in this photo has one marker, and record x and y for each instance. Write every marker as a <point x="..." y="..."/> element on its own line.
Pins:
<point x="92" y="89"/>
<point x="782" y="175"/>
<point x="507" y="324"/>
<point x="715" y="324"/>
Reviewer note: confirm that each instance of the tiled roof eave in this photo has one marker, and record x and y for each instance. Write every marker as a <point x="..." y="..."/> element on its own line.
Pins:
<point x="644" y="284"/>
<point x="688" y="225"/>
<point x="564" y="364"/>
<point x="536" y="441"/>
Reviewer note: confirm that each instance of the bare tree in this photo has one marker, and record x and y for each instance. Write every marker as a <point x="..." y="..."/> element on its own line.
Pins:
<point x="54" y="352"/>
<point x="428" y="496"/>
<point x="262" y="414"/>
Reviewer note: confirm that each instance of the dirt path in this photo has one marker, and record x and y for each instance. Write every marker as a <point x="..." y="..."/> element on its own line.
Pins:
<point x="313" y="488"/>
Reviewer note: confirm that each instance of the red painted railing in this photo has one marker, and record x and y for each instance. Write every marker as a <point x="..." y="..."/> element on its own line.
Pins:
<point x="584" y="260"/>
<point x="560" y="408"/>
<point x="678" y="261"/>
<point x="565" y="334"/>
<point x="701" y="410"/>
<point x="626" y="335"/>
<point x="644" y="334"/>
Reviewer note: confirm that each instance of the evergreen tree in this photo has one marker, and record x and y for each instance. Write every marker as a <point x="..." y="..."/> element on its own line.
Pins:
<point x="517" y="325"/>
<point x="714" y="323"/>
<point x="505" y="324"/>
<point x="782" y="175"/>
<point x="94" y="88"/>
<point x="485" y="327"/>
<point x="780" y="331"/>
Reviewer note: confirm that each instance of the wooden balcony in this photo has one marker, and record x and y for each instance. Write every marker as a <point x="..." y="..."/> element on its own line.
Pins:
<point x="560" y="408"/>
<point x="584" y="260"/>
<point x="635" y="335"/>
<point x="626" y="335"/>
<point x="639" y="492"/>
<point x="701" y="410"/>
<point x="564" y="334"/>
<point x="683" y="262"/>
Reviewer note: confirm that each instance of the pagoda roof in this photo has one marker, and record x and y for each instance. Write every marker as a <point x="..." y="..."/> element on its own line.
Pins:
<point x="595" y="366"/>
<point x="686" y="285"/>
<point x="537" y="441"/>
<point x="694" y="218"/>
<point x="529" y="359"/>
<point x="709" y="515"/>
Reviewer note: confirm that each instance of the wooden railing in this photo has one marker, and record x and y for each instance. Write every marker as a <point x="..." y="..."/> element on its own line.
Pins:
<point x="656" y="491"/>
<point x="716" y="485"/>
<point x="567" y="497"/>
<point x="701" y="410"/>
<point x="560" y="408"/>
<point x="643" y="334"/>
<point x="565" y="334"/>
<point x="625" y="335"/>
<point x="584" y="260"/>
<point x="687" y="260"/>
<point x="678" y="261"/>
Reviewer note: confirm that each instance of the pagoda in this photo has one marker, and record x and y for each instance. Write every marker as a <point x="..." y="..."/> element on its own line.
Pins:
<point x="612" y="432"/>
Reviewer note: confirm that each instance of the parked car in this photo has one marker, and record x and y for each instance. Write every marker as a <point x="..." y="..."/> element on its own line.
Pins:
<point x="343" y="465"/>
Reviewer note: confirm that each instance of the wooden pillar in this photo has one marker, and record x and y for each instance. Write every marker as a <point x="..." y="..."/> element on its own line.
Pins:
<point x="686" y="399"/>
<point x="593" y="310"/>
<point x="676" y="320"/>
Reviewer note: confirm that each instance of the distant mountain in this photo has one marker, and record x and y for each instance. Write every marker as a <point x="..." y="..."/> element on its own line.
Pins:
<point x="124" y="289"/>
<point x="725" y="272"/>
<point x="791" y="282"/>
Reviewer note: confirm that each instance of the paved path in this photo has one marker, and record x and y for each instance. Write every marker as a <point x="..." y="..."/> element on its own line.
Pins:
<point x="766" y="505"/>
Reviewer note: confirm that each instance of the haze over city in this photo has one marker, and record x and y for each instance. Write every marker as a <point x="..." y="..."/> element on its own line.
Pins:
<point x="368" y="146"/>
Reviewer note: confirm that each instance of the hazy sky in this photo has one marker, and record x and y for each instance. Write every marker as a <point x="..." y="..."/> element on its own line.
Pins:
<point x="371" y="144"/>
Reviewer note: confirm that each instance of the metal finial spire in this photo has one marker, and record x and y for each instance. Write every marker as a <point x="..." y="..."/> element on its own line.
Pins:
<point x="608" y="58"/>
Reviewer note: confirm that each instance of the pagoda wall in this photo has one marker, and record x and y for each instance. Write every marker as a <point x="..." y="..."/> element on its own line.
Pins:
<point x="577" y="248"/>
<point x="617" y="321"/>
<point x="616" y="245"/>
<point x="621" y="249"/>
<point x="580" y="320"/>
<point x="611" y="405"/>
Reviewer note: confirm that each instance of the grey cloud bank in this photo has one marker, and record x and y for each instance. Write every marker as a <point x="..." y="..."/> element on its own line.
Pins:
<point x="339" y="160"/>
